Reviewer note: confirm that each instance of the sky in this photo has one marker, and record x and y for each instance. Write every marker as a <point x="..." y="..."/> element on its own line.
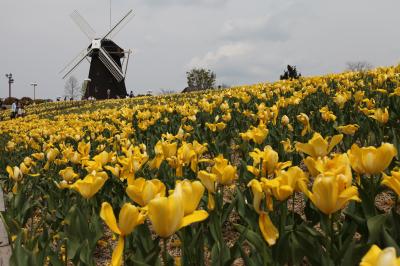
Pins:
<point x="243" y="42"/>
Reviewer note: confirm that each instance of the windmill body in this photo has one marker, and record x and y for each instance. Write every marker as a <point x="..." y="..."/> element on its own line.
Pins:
<point x="106" y="75"/>
<point x="101" y="78"/>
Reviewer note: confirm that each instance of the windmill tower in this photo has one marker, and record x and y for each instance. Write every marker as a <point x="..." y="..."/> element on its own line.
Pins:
<point x="108" y="61"/>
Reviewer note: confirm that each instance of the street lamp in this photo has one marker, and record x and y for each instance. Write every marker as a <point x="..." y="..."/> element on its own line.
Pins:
<point x="34" y="84"/>
<point x="10" y="81"/>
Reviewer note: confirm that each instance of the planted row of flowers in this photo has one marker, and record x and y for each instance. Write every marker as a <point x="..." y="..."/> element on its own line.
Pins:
<point x="295" y="168"/>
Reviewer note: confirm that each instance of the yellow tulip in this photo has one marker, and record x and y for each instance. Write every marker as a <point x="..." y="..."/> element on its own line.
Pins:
<point x="348" y="129"/>
<point x="378" y="257"/>
<point x="392" y="181"/>
<point x="268" y="230"/>
<point x="286" y="182"/>
<point x="303" y="119"/>
<point x="91" y="184"/>
<point x="209" y="180"/>
<point x="24" y="169"/>
<point x="224" y="172"/>
<point x="380" y="115"/>
<point x="192" y="191"/>
<point x="287" y="145"/>
<point x="216" y="127"/>
<point x="326" y="114"/>
<point x="339" y="164"/>
<point x="167" y="214"/>
<point x="163" y="150"/>
<point x="51" y="155"/>
<point x="38" y="156"/>
<point x="15" y="174"/>
<point x="341" y="98"/>
<point x="266" y="162"/>
<point x="129" y="218"/>
<point x="10" y="146"/>
<point x="331" y="193"/>
<point x="371" y="160"/>
<point x="135" y="157"/>
<point x="257" y="134"/>
<point x="317" y="146"/>
<point x="143" y="191"/>
<point x="285" y="120"/>
<point x="68" y="174"/>
<point x="84" y="149"/>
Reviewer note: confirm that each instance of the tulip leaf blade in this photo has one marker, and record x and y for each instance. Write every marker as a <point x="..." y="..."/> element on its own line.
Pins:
<point x="375" y="226"/>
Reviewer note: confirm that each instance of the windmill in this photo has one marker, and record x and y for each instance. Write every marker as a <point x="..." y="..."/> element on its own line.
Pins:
<point x="108" y="61"/>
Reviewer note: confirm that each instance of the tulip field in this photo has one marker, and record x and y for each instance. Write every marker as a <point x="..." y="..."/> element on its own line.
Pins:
<point x="296" y="172"/>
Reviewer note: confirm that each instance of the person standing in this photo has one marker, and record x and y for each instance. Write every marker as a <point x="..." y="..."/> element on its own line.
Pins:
<point x="14" y="109"/>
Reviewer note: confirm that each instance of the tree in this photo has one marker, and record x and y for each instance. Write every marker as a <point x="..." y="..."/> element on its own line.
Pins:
<point x="71" y="88"/>
<point x="358" y="66"/>
<point x="290" y="73"/>
<point x="200" y="79"/>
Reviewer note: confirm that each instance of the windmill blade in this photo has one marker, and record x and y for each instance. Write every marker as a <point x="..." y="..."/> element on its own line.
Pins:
<point x="117" y="28"/>
<point x="83" y="25"/>
<point x="76" y="58"/>
<point x="121" y="26"/>
<point x="80" y="60"/>
<point x="109" y="63"/>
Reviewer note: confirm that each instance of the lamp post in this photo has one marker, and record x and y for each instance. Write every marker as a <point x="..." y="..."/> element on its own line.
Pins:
<point x="34" y="84"/>
<point x="10" y="81"/>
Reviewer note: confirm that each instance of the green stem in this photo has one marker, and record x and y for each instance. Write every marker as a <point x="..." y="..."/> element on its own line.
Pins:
<point x="165" y="252"/>
<point x="293" y="199"/>
<point x="66" y="253"/>
<point x="332" y="235"/>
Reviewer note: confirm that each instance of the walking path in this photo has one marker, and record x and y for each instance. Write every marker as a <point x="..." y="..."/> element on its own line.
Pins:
<point x="5" y="249"/>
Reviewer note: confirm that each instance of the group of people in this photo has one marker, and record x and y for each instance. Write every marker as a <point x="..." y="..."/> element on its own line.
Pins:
<point x="17" y="109"/>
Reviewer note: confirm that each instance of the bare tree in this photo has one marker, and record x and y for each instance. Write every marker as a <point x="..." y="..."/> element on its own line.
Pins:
<point x="358" y="66"/>
<point x="71" y="88"/>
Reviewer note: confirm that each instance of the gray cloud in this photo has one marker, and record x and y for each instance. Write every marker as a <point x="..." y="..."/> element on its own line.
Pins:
<point x="242" y="41"/>
<point x="203" y="3"/>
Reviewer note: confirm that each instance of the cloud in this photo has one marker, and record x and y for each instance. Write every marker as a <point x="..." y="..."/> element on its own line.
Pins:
<point x="259" y="28"/>
<point x="203" y="3"/>
<point x="224" y="52"/>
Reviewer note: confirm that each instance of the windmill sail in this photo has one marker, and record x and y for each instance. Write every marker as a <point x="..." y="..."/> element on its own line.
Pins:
<point x="80" y="60"/>
<point x="83" y="25"/>
<point x="76" y="59"/>
<point x="119" y="25"/>
<point x="110" y="65"/>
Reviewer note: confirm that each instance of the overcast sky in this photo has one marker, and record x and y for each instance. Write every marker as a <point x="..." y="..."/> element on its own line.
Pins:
<point x="244" y="42"/>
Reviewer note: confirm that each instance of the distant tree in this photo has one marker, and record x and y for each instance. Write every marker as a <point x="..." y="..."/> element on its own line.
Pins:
<point x="358" y="66"/>
<point x="290" y="73"/>
<point x="223" y="86"/>
<point x="71" y="88"/>
<point x="200" y="79"/>
<point x="166" y="91"/>
<point x="26" y="101"/>
<point x="84" y="87"/>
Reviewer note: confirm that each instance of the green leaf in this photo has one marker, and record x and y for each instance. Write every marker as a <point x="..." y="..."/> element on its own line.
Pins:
<point x="389" y="241"/>
<point x="375" y="226"/>
<point x="256" y="240"/>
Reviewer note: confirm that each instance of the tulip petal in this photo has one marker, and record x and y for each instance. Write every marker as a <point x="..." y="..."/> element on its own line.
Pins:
<point x="268" y="230"/>
<point x="117" y="255"/>
<point x="128" y="217"/>
<point x="334" y="141"/>
<point x="371" y="257"/>
<point x="196" y="216"/>
<point x="305" y="148"/>
<point x="107" y="214"/>
<point x="211" y="201"/>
